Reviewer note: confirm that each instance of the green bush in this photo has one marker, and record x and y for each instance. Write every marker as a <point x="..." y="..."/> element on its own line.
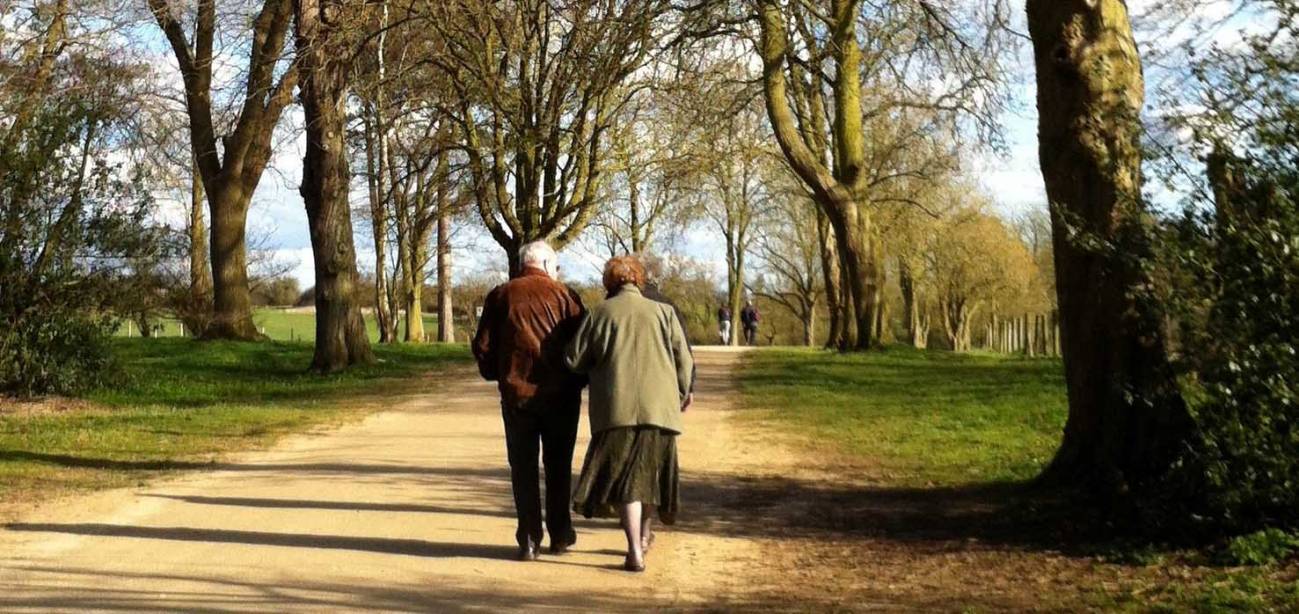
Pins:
<point x="1234" y="294"/>
<point x="1259" y="548"/>
<point x="59" y="350"/>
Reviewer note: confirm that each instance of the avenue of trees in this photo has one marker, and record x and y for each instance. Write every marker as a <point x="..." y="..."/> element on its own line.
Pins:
<point x="824" y="146"/>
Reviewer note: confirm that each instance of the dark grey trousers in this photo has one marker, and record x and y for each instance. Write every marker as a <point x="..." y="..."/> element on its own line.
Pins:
<point x="548" y="432"/>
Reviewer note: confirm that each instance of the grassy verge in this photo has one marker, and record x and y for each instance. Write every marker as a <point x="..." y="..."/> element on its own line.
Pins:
<point x="182" y="403"/>
<point x="921" y="417"/>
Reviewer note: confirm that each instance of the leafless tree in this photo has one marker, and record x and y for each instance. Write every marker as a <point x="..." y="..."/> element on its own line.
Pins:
<point x="537" y="85"/>
<point x="325" y="49"/>
<point x="230" y="158"/>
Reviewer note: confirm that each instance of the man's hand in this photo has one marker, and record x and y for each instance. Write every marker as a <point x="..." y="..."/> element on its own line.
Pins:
<point x="690" y="398"/>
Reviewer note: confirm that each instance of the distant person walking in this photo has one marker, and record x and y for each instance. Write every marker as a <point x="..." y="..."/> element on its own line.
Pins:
<point x="635" y="352"/>
<point x="724" y="324"/>
<point x="525" y="325"/>
<point x="750" y="317"/>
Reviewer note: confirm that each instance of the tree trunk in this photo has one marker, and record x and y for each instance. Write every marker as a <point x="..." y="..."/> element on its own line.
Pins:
<point x="414" y="294"/>
<point x="413" y="266"/>
<point x="830" y="273"/>
<point x="1126" y="415"/>
<point x="376" y="140"/>
<point x="446" y="313"/>
<point x="341" y="339"/>
<point x="861" y="281"/>
<point x="232" y="170"/>
<point x="232" y="304"/>
<point x="881" y="332"/>
<point x="917" y="328"/>
<point x="734" y="288"/>
<point x="511" y="248"/>
<point x="809" y="326"/>
<point x="837" y="189"/>
<point x="847" y="309"/>
<point x="200" y="285"/>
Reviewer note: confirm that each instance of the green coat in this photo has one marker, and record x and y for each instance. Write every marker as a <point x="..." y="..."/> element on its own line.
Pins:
<point x="635" y="352"/>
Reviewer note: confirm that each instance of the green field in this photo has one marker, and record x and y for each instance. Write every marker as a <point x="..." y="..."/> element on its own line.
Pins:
<point x="281" y="325"/>
<point x="920" y="417"/>
<point x="182" y="403"/>
<point x="936" y="419"/>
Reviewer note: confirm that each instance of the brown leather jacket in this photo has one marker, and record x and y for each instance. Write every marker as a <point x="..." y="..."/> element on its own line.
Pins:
<point x="527" y="322"/>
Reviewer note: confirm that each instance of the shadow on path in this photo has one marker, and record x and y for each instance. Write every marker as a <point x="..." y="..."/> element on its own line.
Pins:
<point x="358" y="506"/>
<point x="211" y="594"/>
<point x="408" y="547"/>
<point x="82" y="462"/>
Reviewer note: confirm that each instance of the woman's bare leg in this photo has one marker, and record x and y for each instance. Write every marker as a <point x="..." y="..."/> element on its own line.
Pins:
<point x="646" y="527"/>
<point x="631" y="525"/>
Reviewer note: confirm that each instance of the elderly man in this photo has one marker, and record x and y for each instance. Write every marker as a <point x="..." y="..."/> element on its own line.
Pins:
<point x="526" y="324"/>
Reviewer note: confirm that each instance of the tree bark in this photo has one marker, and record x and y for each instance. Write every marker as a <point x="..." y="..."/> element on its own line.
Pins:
<point x="446" y="313"/>
<point x="376" y="140"/>
<point x="734" y="286"/>
<point x="809" y="327"/>
<point x="199" y="275"/>
<point x="838" y="190"/>
<point x="341" y="339"/>
<point x="414" y="265"/>
<point x="232" y="169"/>
<point x="830" y="273"/>
<point x="916" y="319"/>
<point x="1126" y="415"/>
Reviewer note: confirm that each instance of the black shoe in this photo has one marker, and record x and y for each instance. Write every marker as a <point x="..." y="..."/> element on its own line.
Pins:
<point x="633" y="565"/>
<point x="561" y="547"/>
<point x="527" y="551"/>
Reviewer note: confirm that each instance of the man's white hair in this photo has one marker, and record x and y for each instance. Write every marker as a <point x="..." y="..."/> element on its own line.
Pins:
<point x="541" y="255"/>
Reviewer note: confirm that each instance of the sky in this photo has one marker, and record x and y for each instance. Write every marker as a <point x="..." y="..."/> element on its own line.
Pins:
<point x="1012" y="178"/>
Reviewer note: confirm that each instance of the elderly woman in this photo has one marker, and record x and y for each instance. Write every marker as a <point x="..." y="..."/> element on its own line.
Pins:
<point x="635" y="352"/>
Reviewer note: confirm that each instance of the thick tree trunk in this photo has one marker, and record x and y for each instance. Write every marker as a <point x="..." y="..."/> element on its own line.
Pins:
<point x="200" y="277"/>
<point x="232" y="303"/>
<point x="837" y="189"/>
<point x="341" y="339"/>
<point x="847" y="308"/>
<point x="860" y="281"/>
<point x="512" y="257"/>
<point x="232" y="170"/>
<point x="1126" y="415"/>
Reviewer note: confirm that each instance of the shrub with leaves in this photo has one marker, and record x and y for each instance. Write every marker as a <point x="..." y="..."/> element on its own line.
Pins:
<point x="77" y="227"/>
<point x="1234" y="295"/>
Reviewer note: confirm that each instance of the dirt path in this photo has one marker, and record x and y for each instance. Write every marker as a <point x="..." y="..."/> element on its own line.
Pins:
<point x="409" y="510"/>
<point x="406" y="510"/>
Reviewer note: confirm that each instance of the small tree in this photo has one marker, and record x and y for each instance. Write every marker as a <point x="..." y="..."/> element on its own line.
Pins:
<point x="974" y="259"/>
<point x="790" y="254"/>
<point x="77" y="239"/>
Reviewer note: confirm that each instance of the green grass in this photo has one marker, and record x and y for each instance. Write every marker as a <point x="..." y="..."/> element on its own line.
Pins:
<point x="280" y="325"/>
<point x="183" y="402"/>
<point x="284" y="326"/>
<point x="942" y="419"/>
<point x="920" y="417"/>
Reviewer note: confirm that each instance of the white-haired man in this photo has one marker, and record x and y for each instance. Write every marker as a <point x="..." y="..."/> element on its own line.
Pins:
<point x="526" y="324"/>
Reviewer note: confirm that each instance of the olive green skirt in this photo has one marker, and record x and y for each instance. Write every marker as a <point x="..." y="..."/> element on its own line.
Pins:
<point x="629" y="464"/>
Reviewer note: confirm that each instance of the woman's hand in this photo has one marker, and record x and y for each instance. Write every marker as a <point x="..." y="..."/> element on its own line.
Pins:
<point x="690" y="398"/>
